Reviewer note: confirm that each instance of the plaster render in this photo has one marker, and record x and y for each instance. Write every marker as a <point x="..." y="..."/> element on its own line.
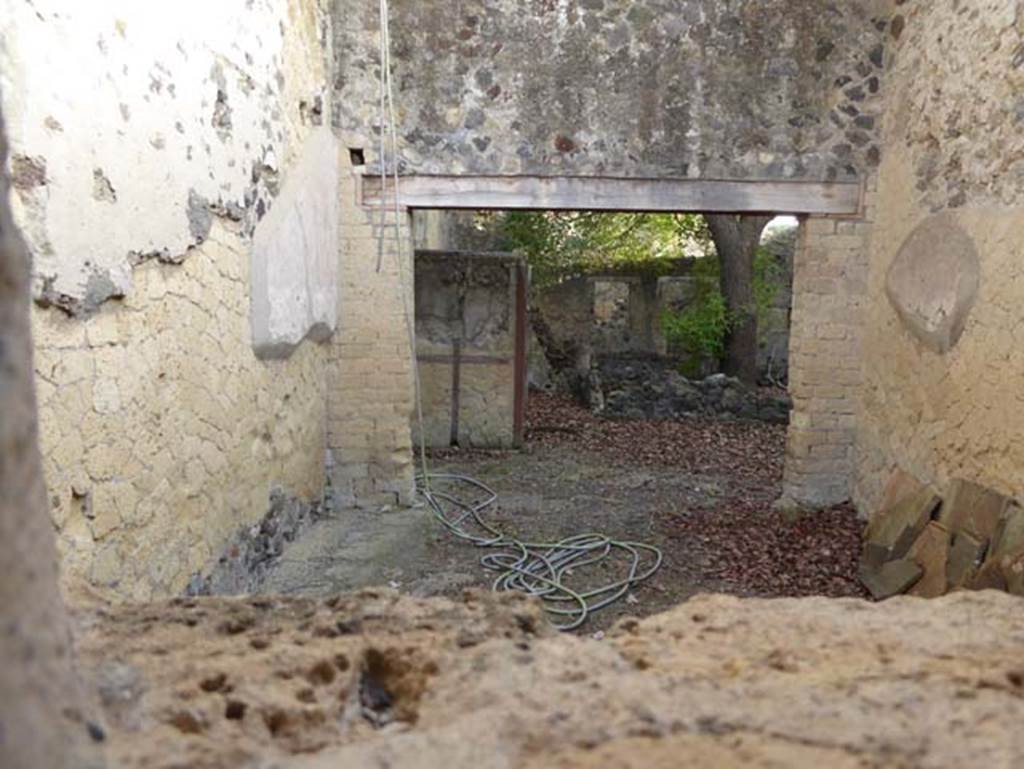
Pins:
<point x="295" y="255"/>
<point x="151" y="144"/>
<point x="764" y="89"/>
<point x="132" y="123"/>
<point x="933" y="282"/>
<point x="956" y="415"/>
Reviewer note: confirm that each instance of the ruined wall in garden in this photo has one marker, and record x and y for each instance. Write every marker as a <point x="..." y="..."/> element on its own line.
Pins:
<point x="177" y="188"/>
<point x="944" y="359"/>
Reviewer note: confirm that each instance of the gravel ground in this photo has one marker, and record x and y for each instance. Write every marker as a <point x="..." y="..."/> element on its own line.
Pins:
<point x="700" y="490"/>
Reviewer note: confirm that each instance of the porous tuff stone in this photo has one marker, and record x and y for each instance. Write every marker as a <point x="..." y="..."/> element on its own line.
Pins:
<point x="719" y="681"/>
<point x="933" y="282"/>
<point x="931" y="552"/>
<point x="893" y="578"/>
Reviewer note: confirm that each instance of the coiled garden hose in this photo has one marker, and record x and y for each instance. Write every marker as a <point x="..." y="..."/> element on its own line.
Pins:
<point x="537" y="568"/>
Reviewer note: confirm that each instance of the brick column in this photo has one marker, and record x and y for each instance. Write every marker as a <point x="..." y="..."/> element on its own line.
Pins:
<point x="825" y="363"/>
<point x="370" y="391"/>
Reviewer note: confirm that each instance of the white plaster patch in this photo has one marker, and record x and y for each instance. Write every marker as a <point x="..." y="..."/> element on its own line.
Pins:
<point x="295" y="255"/>
<point x="146" y="115"/>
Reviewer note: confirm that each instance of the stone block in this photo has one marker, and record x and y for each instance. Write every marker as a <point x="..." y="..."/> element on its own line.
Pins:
<point x="1008" y="538"/>
<point x="931" y="551"/>
<point x="933" y="282"/>
<point x="989" y="577"/>
<point x="1014" y="573"/>
<point x="973" y="508"/>
<point x="900" y="485"/>
<point x="1006" y="551"/>
<point x="965" y="557"/>
<point x="901" y="524"/>
<point x="893" y="578"/>
<point x="873" y="557"/>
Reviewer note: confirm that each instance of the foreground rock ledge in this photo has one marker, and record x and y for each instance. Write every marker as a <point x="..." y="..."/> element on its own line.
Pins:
<point x="376" y="679"/>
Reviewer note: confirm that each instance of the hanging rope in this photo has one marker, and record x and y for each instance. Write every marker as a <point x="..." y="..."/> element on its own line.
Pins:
<point x="459" y="502"/>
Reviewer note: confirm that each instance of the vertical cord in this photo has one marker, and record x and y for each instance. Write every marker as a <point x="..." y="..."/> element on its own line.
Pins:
<point x="384" y="62"/>
<point x="388" y="115"/>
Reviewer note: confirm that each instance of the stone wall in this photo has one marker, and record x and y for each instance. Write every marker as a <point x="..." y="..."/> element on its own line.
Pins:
<point x="562" y="317"/>
<point x="780" y="89"/>
<point x="467" y="300"/>
<point x="151" y="148"/>
<point x="162" y="432"/>
<point x="131" y="125"/>
<point x="768" y="89"/>
<point x="628" y="307"/>
<point x="944" y="360"/>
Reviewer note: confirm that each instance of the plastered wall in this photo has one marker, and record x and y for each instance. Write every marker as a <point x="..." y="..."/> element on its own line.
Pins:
<point x="151" y="145"/>
<point x="131" y="124"/>
<point x="953" y="165"/>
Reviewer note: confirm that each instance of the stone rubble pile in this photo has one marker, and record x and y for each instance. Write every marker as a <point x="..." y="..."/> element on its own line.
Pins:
<point x="927" y="544"/>
<point x="254" y="549"/>
<point x="642" y="388"/>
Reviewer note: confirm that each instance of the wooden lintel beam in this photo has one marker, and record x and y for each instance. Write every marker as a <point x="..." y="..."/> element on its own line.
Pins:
<point x="577" y="193"/>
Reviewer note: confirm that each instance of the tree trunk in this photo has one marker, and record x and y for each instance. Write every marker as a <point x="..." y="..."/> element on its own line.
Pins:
<point x="42" y="721"/>
<point x="736" y="240"/>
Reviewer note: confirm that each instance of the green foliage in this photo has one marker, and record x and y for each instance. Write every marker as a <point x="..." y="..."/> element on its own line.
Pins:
<point x="558" y="245"/>
<point x="699" y="331"/>
<point x="769" y="277"/>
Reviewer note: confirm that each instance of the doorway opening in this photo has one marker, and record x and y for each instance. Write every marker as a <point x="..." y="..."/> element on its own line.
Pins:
<point x="629" y="428"/>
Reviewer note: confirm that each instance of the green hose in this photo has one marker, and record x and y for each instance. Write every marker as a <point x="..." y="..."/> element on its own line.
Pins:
<point x="537" y="568"/>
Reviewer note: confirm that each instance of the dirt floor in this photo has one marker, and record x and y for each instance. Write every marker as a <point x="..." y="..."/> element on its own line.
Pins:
<point x="701" y="491"/>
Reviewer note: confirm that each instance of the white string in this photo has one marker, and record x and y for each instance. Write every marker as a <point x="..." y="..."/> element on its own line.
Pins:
<point x="388" y="115"/>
